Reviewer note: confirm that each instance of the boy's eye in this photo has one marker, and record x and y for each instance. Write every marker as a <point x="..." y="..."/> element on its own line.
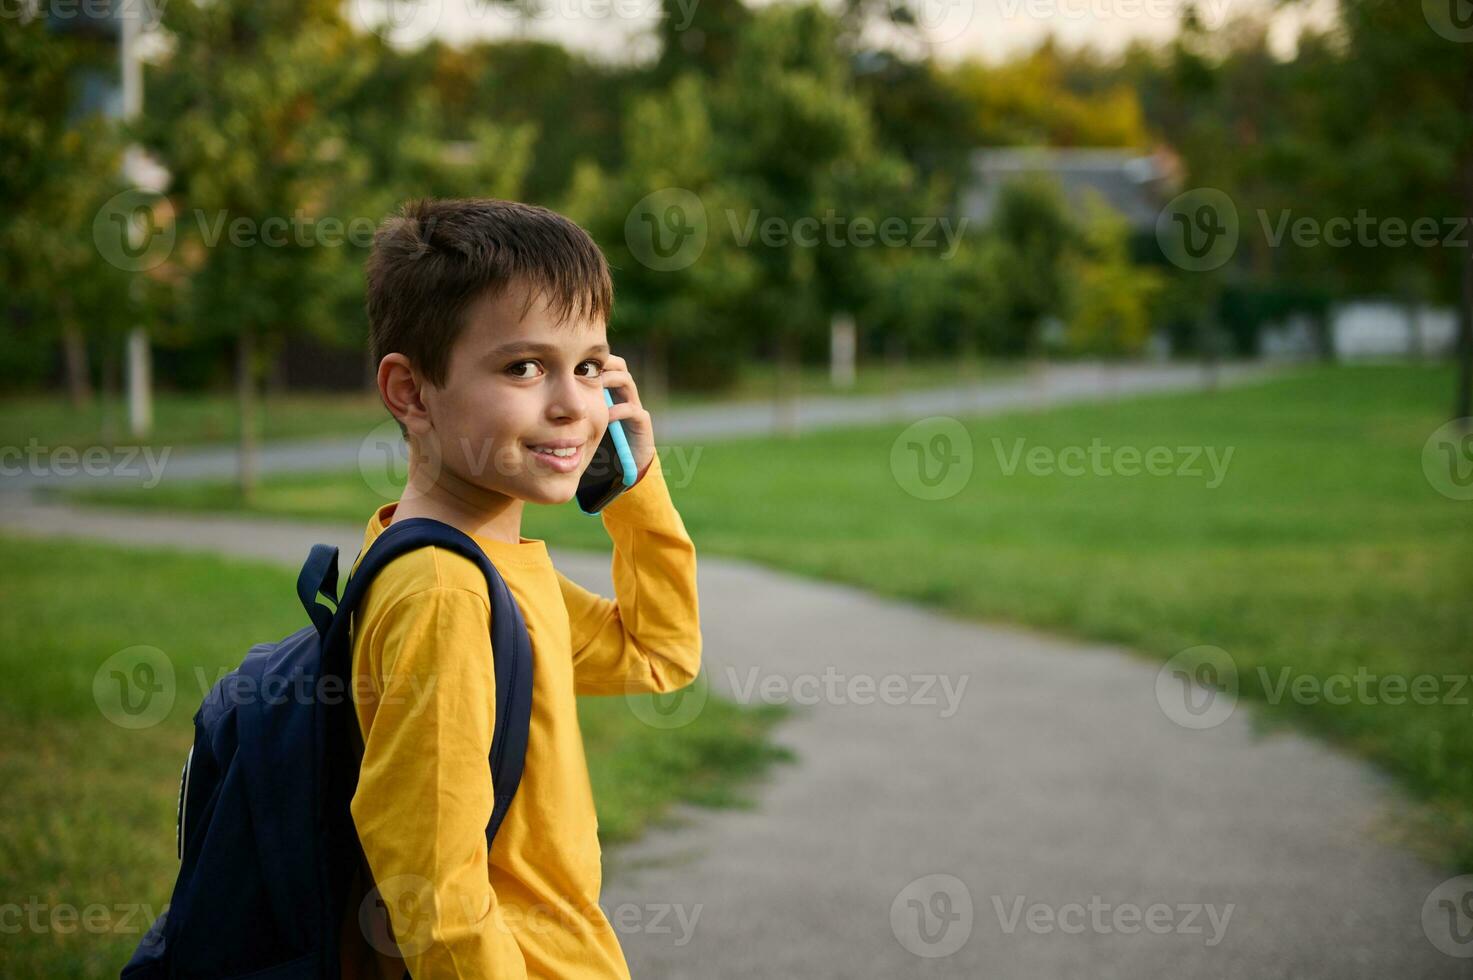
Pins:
<point x="515" y="369"/>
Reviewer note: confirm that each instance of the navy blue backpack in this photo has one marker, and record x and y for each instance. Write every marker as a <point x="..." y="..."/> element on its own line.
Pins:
<point x="266" y="842"/>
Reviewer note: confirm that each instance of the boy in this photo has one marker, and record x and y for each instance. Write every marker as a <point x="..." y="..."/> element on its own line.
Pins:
<point x="488" y="323"/>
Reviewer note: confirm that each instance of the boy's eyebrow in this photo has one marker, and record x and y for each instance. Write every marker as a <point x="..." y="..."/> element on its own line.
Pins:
<point x="538" y="347"/>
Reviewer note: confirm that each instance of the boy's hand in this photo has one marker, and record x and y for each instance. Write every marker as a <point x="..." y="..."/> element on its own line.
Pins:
<point x="637" y="426"/>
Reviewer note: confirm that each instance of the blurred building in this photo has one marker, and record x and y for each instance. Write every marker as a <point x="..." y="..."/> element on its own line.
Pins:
<point x="1134" y="183"/>
<point x="1365" y="330"/>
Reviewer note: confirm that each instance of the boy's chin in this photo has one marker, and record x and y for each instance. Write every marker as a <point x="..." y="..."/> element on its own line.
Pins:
<point x="551" y="492"/>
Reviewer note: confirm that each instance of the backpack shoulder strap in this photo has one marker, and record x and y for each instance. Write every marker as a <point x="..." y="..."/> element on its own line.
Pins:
<point x="511" y="647"/>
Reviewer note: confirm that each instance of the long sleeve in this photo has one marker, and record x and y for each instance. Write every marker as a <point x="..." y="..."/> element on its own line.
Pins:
<point x="649" y="637"/>
<point x="424" y="793"/>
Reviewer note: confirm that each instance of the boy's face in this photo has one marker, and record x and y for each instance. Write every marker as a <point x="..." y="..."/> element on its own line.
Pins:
<point x="514" y="387"/>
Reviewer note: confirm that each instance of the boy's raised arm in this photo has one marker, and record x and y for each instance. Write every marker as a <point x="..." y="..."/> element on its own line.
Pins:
<point x="424" y="792"/>
<point x="649" y="638"/>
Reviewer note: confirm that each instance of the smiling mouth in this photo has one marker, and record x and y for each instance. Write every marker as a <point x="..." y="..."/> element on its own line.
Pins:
<point x="562" y="459"/>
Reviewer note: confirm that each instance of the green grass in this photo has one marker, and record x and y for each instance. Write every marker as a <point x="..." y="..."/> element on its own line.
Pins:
<point x="1324" y="550"/>
<point x="186" y="419"/>
<point x="90" y="805"/>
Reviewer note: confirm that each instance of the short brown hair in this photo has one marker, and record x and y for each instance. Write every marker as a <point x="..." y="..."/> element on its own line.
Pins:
<point x="434" y="257"/>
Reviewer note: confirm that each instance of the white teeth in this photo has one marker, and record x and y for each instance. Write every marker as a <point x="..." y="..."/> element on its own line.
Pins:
<point x="569" y="451"/>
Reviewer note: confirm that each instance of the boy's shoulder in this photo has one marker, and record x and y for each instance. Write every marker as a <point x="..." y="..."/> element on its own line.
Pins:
<point x="422" y="571"/>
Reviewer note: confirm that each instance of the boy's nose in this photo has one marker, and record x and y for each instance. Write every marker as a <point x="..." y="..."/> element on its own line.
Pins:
<point x="569" y="401"/>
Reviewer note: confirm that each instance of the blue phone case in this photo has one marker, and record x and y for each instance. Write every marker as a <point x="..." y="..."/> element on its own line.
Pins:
<point x="621" y="448"/>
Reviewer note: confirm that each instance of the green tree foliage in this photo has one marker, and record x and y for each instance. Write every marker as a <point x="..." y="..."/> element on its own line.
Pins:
<point x="1047" y="98"/>
<point x="57" y="169"/>
<point x="245" y="113"/>
<point x="686" y="313"/>
<point x="1109" y="299"/>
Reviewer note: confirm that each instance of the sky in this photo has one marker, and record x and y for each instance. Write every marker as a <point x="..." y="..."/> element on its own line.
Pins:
<point x="619" y="30"/>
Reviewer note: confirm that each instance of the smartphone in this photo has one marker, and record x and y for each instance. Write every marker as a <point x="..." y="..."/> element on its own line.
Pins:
<point x="612" y="469"/>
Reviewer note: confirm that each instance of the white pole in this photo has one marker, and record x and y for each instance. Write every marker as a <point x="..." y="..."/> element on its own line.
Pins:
<point x="140" y="388"/>
<point x="841" y="351"/>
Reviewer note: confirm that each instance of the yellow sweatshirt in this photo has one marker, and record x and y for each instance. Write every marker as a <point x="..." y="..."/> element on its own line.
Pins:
<point x="426" y="695"/>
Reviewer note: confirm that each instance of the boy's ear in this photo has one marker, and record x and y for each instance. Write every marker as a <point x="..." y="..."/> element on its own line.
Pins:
<point x="400" y="387"/>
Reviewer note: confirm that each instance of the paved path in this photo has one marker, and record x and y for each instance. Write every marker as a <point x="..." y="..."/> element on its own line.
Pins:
<point x="1057" y="781"/>
<point x="1052" y="385"/>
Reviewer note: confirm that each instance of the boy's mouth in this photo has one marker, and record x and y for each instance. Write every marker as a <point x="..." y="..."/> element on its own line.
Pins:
<point x="562" y="455"/>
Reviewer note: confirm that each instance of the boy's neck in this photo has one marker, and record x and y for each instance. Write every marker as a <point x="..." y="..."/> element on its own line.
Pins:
<point x="472" y="509"/>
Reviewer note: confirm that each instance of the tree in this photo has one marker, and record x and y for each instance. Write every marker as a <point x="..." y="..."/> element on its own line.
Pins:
<point x="798" y="147"/>
<point x="1108" y="308"/>
<point x="1032" y="101"/>
<point x="58" y="168"/>
<point x="243" y="112"/>
<point x="678" y="282"/>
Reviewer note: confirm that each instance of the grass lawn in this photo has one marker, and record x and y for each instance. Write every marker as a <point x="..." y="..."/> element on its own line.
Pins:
<point x="1324" y="549"/>
<point x="183" y="419"/>
<point x="87" y="843"/>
